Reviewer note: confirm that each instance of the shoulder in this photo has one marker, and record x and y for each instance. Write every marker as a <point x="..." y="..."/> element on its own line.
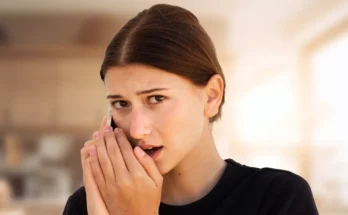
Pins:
<point x="262" y="177"/>
<point x="285" y="193"/>
<point x="271" y="178"/>
<point x="270" y="191"/>
<point x="278" y="180"/>
<point x="76" y="203"/>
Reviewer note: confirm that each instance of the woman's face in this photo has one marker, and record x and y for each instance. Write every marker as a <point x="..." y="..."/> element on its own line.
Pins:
<point x="157" y="108"/>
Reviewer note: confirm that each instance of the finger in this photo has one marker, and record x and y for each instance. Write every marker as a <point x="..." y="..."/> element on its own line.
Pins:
<point x="88" y="178"/>
<point x="84" y="151"/>
<point x="92" y="191"/>
<point x="84" y="155"/>
<point x="127" y="151"/>
<point x="102" y="125"/>
<point x="96" y="169"/>
<point x="149" y="165"/>
<point x="115" y="155"/>
<point x="89" y="142"/>
<point x="96" y="135"/>
<point x="103" y="158"/>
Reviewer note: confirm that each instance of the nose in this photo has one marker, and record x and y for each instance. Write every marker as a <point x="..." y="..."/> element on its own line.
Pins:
<point x="139" y="125"/>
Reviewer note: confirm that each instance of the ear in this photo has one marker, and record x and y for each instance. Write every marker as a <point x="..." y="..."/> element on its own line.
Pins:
<point x="214" y="92"/>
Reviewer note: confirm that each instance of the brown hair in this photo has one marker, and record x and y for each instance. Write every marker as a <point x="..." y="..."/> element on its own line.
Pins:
<point x="169" y="38"/>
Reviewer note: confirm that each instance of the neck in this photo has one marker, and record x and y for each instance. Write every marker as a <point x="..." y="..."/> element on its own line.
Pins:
<point x="195" y="176"/>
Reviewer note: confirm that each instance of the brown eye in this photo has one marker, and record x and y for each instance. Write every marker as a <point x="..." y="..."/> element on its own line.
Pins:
<point x="156" y="99"/>
<point x="120" y="104"/>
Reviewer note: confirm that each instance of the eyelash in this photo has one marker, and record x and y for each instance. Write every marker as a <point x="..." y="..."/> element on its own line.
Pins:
<point x="148" y="98"/>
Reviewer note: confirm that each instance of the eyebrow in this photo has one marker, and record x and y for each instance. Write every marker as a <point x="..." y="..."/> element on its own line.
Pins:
<point x="116" y="96"/>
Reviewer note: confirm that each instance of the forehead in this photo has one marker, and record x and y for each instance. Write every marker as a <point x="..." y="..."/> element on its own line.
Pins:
<point x="137" y="76"/>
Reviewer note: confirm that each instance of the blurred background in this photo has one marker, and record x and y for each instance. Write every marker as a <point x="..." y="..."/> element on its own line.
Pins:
<point x="286" y="66"/>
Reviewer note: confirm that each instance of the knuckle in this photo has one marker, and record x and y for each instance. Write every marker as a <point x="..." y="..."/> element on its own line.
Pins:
<point x="85" y="150"/>
<point x="125" y="184"/>
<point x="93" y="159"/>
<point x="109" y="137"/>
<point x="94" y="134"/>
<point x="88" y="143"/>
<point x="82" y="151"/>
<point x="103" y="161"/>
<point x="87" y="160"/>
<point x="94" y="163"/>
<point x="121" y="136"/>
<point x="99" y="143"/>
<point x="137" y="177"/>
<point x="112" y="153"/>
<point x="112" y="148"/>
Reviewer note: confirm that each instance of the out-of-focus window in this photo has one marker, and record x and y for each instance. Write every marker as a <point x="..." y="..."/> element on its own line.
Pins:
<point x="298" y="120"/>
<point x="268" y="114"/>
<point x="329" y="133"/>
<point x="267" y="122"/>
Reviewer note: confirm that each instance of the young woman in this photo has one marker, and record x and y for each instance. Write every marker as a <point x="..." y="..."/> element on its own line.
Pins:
<point x="166" y="89"/>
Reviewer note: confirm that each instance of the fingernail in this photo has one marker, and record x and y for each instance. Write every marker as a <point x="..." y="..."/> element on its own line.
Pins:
<point x="97" y="135"/>
<point x="140" y="151"/>
<point x="93" y="151"/>
<point x="107" y="128"/>
<point x="117" y="130"/>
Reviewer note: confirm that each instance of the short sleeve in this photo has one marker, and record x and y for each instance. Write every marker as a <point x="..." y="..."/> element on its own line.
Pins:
<point x="289" y="194"/>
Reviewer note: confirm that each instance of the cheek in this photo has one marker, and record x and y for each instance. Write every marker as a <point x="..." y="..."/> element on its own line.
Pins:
<point x="182" y="121"/>
<point x="171" y="116"/>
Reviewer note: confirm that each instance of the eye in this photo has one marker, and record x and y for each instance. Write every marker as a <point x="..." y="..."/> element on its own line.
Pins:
<point x="156" y="99"/>
<point x="120" y="104"/>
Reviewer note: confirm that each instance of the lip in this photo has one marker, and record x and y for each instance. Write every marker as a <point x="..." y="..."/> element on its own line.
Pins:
<point x="145" y="147"/>
<point x="154" y="155"/>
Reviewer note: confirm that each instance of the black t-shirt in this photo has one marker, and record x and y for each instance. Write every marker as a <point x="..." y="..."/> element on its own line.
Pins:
<point x="242" y="190"/>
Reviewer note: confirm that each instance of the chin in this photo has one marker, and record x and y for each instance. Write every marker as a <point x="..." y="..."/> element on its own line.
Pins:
<point x="163" y="168"/>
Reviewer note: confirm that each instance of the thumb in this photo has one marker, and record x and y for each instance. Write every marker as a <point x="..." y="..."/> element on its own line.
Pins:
<point x="95" y="203"/>
<point x="149" y="165"/>
<point x="88" y="177"/>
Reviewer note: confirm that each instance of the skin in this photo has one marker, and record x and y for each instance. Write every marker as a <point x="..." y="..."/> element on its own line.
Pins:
<point x="152" y="106"/>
